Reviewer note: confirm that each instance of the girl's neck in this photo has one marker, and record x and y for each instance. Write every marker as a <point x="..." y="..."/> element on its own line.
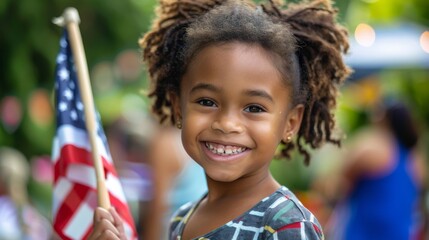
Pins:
<point x="241" y="188"/>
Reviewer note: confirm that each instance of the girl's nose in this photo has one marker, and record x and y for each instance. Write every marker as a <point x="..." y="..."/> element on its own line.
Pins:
<point x="227" y="122"/>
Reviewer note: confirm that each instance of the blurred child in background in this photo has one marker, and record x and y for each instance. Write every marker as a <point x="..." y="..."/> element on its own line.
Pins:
<point x="18" y="218"/>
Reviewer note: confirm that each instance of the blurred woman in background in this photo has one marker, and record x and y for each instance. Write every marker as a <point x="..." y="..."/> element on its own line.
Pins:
<point x="382" y="180"/>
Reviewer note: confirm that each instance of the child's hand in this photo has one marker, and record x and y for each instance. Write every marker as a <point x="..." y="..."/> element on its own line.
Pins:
<point x="107" y="225"/>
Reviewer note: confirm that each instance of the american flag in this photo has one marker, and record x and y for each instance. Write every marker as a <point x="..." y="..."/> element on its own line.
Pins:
<point x="74" y="191"/>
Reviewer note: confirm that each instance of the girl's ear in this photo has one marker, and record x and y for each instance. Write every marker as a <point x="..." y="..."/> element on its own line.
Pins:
<point x="175" y="103"/>
<point x="293" y="122"/>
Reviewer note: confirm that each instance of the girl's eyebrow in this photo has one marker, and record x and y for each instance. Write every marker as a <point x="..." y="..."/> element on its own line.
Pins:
<point x="259" y="93"/>
<point x="204" y="86"/>
<point x="250" y="93"/>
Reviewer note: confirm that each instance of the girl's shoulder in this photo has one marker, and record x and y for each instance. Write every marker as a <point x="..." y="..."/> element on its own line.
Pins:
<point x="286" y="216"/>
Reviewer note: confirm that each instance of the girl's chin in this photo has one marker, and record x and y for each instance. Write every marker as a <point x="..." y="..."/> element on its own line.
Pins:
<point x="222" y="178"/>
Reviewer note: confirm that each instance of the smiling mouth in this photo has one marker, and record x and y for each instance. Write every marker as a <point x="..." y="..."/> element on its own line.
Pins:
<point x="224" y="150"/>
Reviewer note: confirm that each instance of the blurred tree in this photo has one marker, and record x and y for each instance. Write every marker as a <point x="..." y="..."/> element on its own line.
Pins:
<point x="387" y="12"/>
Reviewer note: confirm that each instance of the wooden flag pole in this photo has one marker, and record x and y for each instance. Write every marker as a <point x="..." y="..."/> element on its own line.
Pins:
<point x="71" y="20"/>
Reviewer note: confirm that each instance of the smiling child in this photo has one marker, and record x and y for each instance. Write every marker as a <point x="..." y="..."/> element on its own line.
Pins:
<point x="240" y="79"/>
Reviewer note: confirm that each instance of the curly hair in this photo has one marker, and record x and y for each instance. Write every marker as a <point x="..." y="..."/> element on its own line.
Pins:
<point x="305" y="37"/>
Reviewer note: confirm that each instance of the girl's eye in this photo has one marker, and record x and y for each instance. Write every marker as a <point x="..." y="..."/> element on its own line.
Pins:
<point x="254" y="109"/>
<point x="206" y="102"/>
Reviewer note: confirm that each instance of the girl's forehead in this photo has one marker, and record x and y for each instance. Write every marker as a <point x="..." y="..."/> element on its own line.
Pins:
<point x="231" y="46"/>
<point x="233" y="56"/>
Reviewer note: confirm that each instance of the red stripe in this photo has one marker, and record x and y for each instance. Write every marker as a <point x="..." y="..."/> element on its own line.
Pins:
<point x="71" y="154"/>
<point x="123" y="210"/>
<point x="290" y="226"/>
<point x="316" y="228"/>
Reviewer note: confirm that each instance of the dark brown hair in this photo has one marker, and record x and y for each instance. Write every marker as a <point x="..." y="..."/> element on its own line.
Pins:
<point x="305" y="37"/>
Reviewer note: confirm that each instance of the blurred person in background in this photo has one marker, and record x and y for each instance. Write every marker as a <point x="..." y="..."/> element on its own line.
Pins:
<point x="129" y="137"/>
<point x="18" y="219"/>
<point x="382" y="180"/>
<point x="177" y="179"/>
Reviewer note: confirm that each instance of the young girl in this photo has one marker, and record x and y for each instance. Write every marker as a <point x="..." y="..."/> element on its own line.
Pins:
<point x="239" y="79"/>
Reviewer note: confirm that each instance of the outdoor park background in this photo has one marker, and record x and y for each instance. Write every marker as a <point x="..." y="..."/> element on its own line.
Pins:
<point x="110" y="29"/>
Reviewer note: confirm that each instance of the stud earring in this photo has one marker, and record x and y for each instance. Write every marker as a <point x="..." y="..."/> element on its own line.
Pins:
<point x="288" y="138"/>
<point x="179" y="124"/>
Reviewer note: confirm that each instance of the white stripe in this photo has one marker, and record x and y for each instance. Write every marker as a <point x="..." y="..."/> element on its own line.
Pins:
<point x="312" y="218"/>
<point x="82" y="174"/>
<point x="277" y="202"/>
<point x="67" y="134"/>
<point x="303" y="237"/>
<point x="245" y="228"/>
<point x="55" y="151"/>
<point x="275" y="237"/>
<point x="60" y="192"/>
<point x="128" y="230"/>
<point x="237" y="230"/>
<point x="265" y="199"/>
<point x="80" y="222"/>
<point x="115" y="188"/>
<point x="85" y="175"/>
<point x="256" y="213"/>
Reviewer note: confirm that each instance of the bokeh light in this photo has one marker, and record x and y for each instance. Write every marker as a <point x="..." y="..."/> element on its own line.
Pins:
<point x="102" y="77"/>
<point x="11" y="113"/>
<point x="40" y="108"/>
<point x="41" y="169"/>
<point x="424" y="41"/>
<point x="365" y="35"/>
<point x="129" y="65"/>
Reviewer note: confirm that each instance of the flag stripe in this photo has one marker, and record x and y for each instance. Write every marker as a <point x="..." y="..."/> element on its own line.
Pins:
<point x="64" y="186"/>
<point x="80" y="218"/>
<point x="67" y="134"/>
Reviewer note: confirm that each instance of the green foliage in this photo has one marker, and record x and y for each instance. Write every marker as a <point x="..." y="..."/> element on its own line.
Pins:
<point x="387" y="12"/>
<point x="29" y="44"/>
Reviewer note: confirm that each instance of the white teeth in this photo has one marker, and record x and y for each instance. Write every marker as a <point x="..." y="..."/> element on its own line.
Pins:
<point x="224" y="150"/>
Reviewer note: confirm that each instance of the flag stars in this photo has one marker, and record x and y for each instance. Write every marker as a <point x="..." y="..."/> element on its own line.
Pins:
<point x="79" y="106"/>
<point x="73" y="115"/>
<point x="68" y="94"/>
<point x="63" y="74"/>
<point x="61" y="58"/>
<point x="63" y="42"/>
<point x="62" y="106"/>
